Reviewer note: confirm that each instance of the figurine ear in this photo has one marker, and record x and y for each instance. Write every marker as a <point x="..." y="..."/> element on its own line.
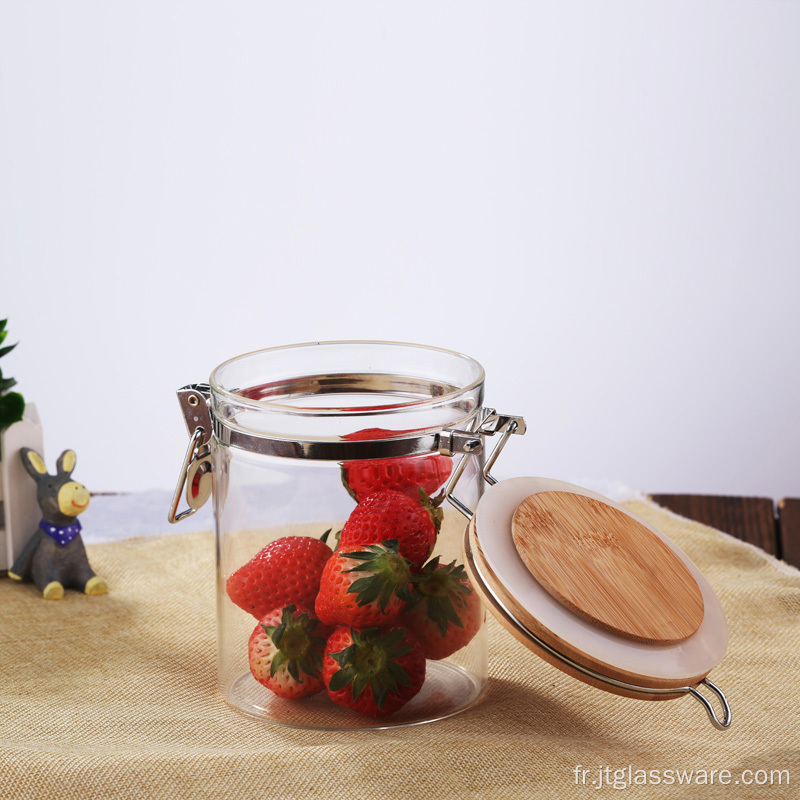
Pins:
<point x="33" y="463"/>
<point x="66" y="462"/>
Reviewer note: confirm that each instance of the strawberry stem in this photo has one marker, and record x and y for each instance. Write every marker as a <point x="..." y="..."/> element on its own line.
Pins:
<point x="433" y="507"/>
<point x="346" y="484"/>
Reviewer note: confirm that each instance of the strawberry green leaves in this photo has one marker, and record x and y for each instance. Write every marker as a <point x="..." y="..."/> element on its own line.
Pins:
<point x="375" y="671"/>
<point x="445" y="613"/>
<point x="433" y="505"/>
<point x="298" y="646"/>
<point x="388" y="574"/>
<point x="285" y="652"/>
<point x="439" y="585"/>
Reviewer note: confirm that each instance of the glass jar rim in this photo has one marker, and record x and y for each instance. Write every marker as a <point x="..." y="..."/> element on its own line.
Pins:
<point x="240" y="399"/>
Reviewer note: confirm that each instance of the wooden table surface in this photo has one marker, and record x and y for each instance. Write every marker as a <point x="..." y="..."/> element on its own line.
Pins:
<point x="774" y="527"/>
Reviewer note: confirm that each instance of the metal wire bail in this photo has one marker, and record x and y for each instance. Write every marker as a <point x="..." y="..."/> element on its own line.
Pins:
<point x="491" y="423"/>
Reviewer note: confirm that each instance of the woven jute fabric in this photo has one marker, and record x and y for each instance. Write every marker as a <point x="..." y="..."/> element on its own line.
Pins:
<point x="116" y="697"/>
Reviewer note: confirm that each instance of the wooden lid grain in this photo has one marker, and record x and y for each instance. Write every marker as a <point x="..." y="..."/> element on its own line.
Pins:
<point x="608" y="568"/>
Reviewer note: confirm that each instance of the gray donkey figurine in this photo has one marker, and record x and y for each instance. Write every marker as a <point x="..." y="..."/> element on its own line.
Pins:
<point x="55" y="558"/>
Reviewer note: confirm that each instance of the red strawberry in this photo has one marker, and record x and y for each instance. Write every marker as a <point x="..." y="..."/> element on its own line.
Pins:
<point x="364" y="588"/>
<point x="405" y="474"/>
<point x="285" y="652"/>
<point x="393" y="515"/>
<point x="445" y="612"/>
<point x="372" y="671"/>
<point x="286" y="571"/>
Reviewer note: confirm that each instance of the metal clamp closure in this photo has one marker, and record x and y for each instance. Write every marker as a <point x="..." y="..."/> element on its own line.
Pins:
<point x="492" y="423"/>
<point x="195" y="400"/>
<point x="195" y="474"/>
<point x="499" y="423"/>
<point x="452" y="441"/>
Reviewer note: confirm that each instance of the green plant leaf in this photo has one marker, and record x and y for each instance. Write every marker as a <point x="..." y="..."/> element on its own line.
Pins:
<point x="12" y="407"/>
<point x="7" y="349"/>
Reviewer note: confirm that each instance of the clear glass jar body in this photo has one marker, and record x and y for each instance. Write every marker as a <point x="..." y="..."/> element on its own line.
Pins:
<point x="281" y="416"/>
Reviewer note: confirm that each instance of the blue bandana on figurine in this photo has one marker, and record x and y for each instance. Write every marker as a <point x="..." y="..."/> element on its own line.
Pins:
<point x="55" y="558"/>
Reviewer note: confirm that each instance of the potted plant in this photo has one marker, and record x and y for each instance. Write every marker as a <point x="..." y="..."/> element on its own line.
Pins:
<point x="12" y="404"/>
<point x="19" y="427"/>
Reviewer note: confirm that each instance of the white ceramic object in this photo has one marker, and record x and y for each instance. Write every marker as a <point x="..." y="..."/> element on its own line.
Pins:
<point x="21" y="512"/>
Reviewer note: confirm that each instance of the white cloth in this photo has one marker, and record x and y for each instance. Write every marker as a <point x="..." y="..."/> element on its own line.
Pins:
<point x="122" y="516"/>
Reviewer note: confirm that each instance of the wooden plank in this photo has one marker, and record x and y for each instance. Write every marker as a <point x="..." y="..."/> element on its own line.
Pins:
<point x="789" y="530"/>
<point x="751" y="519"/>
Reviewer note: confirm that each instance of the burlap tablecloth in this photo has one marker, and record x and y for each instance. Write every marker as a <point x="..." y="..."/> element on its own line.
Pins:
<point x="115" y="697"/>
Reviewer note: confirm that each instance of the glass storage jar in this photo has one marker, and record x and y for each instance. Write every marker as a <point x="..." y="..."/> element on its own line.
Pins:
<point x="378" y="448"/>
<point x="297" y="430"/>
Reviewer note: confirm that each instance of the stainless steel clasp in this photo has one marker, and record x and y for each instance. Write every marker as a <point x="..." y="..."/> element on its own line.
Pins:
<point x="195" y="474"/>
<point x="490" y="423"/>
<point x="452" y="441"/>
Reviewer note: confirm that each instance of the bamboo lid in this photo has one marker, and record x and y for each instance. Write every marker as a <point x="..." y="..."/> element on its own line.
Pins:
<point x="603" y="565"/>
<point x="537" y="587"/>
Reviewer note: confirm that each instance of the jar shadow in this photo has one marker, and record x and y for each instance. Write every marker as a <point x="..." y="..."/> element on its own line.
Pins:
<point x="527" y="710"/>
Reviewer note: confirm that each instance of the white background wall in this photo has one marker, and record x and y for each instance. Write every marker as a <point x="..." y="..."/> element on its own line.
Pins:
<point x="598" y="200"/>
